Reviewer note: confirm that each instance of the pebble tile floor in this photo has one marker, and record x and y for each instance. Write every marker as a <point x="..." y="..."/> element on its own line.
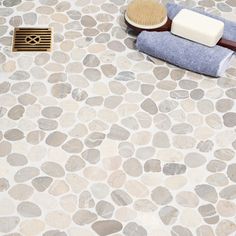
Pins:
<point x="99" y="139"/>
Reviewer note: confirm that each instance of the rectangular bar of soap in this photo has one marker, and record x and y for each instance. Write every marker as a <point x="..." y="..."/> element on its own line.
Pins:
<point x="197" y="27"/>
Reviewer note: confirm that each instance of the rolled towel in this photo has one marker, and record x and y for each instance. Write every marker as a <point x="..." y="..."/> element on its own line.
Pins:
<point x="229" y="26"/>
<point x="189" y="55"/>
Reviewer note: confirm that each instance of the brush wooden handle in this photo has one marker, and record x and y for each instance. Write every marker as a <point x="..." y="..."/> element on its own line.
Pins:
<point x="166" y="26"/>
<point x="227" y="44"/>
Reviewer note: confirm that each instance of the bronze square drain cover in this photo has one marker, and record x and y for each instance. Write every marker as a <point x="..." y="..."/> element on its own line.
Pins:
<point x="32" y="40"/>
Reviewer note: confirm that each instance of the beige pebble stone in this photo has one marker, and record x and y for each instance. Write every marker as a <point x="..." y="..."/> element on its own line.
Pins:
<point x="136" y="188"/>
<point x="45" y="200"/>
<point x="79" y="231"/>
<point x="107" y="116"/>
<point x="9" y="66"/>
<point x="178" y="115"/>
<point x="7" y="100"/>
<point x="152" y="179"/>
<point x="36" y="153"/>
<point x="187" y="199"/>
<point x="5" y="148"/>
<point x="204" y="230"/>
<point x="59" y="17"/>
<point x="184" y="142"/>
<point x="24" y="62"/>
<point x="73" y="146"/>
<point x="127" y="109"/>
<point x="69" y="105"/>
<point x="77" y="54"/>
<point x="7" y="206"/>
<point x="111" y="163"/>
<point x="133" y="167"/>
<point x="226" y="208"/>
<point x="86" y="114"/>
<point x="117" y="179"/>
<point x="125" y="214"/>
<point x="169" y="155"/>
<point x="159" y="95"/>
<point x="58" y="187"/>
<point x="21" y="192"/>
<point x="141" y="138"/>
<point x="54" y="67"/>
<point x="94" y="173"/>
<point x="214" y="121"/>
<point x="203" y="133"/>
<point x="218" y="179"/>
<point x="69" y="202"/>
<point x="67" y="45"/>
<point x="32" y="227"/>
<point x="108" y="148"/>
<point x="144" y="205"/>
<point x="188" y="105"/>
<point x="25" y="6"/>
<point x="176" y="182"/>
<point x="101" y="89"/>
<point x="195" y="119"/>
<point x="225" y="228"/>
<point x="78" y="131"/>
<point x="58" y="219"/>
<point x="44" y="20"/>
<point x="76" y="182"/>
<point x="96" y="48"/>
<point x="123" y="63"/>
<point x="224" y="138"/>
<point x="190" y="218"/>
<point x="100" y="190"/>
<point x="67" y="120"/>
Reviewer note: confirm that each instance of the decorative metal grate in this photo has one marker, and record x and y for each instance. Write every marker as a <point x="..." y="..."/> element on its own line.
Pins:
<point x="32" y="40"/>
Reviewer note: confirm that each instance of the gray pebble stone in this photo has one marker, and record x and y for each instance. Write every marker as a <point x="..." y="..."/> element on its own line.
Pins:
<point x="231" y="172"/>
<point x="105" y="209"/>
<point x="118" y="133"/>
<point x="26" y="174"/>
<point x="4" y="184"/>
<point x="152" y="165"/>
<point x="91" y="155"/>
<point x="149" y="106"/>
<point x="106" y="227"/>
<point x="161" y="196"/>
<point x="74" y="163"/>
<point x="125" y="76"/>
<point x="52" y="169"/>
<point x="84" y="217"/>
<point x="28" y="209"/>
<point x="206" y="192"/>
<point x="17" y="159"/>
<point x="174" y="169"/>
<point x="121" y="198"/>
<point x="11" y="3"/>
<point x="8" y="223"/>
<point x="42" y="183"/>
<point x="168" y="215"/>
<point x="133" y="228"/>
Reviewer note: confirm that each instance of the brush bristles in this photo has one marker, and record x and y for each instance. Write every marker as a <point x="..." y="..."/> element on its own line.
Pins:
<point x="146" y="12"/>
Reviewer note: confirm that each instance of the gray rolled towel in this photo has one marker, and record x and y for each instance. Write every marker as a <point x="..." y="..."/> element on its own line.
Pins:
<point x="212" y="61"/>
<point x="229" y="26"/>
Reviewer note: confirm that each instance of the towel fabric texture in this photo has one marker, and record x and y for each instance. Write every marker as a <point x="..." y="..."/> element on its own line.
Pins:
<point x="184" y="53"/>
<point x="229" y="26"/>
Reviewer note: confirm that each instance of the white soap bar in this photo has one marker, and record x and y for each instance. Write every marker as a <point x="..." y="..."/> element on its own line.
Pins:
<point x="197" y="27"/>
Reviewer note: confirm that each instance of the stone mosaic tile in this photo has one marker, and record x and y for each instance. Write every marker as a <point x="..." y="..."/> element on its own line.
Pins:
<point x="97" y="138"/>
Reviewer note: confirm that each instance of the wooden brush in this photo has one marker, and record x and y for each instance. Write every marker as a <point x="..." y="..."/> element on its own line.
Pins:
<point x="147" y="15"/>
<point x="150" y="15"/>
